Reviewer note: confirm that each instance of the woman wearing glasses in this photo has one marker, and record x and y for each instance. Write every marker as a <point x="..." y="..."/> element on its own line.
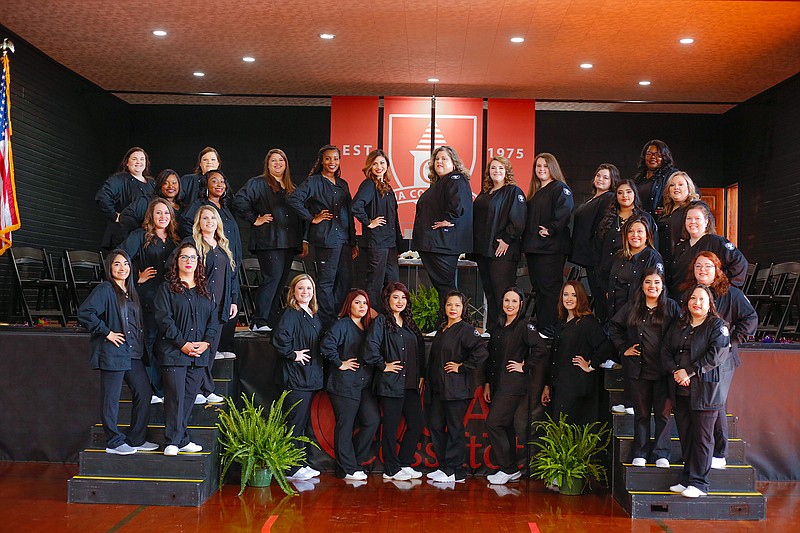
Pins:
<point x="655" y="166"/>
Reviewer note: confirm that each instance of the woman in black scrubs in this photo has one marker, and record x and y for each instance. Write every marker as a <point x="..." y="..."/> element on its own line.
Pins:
<point x="638" y="331"/>
<point x="515" y="349"/>
<point x="585" y="221"/>
<point x="208" y="236"/>
<point x="168" y="187"/>
<point x="680" y="194"/>
<point x="131" y="181"/>
<point x="696" y="351"/>
<point x="443" y="220"/>
<point x="738" y="313"/>
<point x="349" y="387"/>
<point x="699" y="237"/>
<point x="375" y="206"/>
<point x="323" y="201"/>
<point x="498" y="221"/>
<point x="629" y="263"/>
<point x="113" y="317"/>
<point x="149" y="247"/>
<point x="215" y="193"/>
<point x="192" y="184"/>
<point x="457" y="352"/>
<point x="396" y="349"/>
<point x="296" y="340"/>
<point x="547" y="242"/>
<point x="187" y="325"/>
<point x="610" y="238"/>
<point x="579" y="346"/>
<point x="276" y="233"/>
<point x="655" y="166"/>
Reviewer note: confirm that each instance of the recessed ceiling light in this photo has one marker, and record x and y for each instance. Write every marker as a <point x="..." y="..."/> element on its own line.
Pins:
<point x="159" y="33"/>
<point x="586" y="65"/>
<point x="517" y="39"/>
<point x="433" y="80"/>
<point x="326" y="36"/>
<point x="686" y="40"/>
<point x="248" y="59"/>
<point x="199" y="74"/>
<point x="644" y="82"/>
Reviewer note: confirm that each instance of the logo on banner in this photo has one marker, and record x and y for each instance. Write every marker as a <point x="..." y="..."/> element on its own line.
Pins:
<point x="409" y="148"/>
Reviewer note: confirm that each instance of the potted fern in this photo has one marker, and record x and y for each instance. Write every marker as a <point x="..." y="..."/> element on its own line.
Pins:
<point x="425" y="308"/>
<point x="568" y="454"/>
<point x="265" y="448"/>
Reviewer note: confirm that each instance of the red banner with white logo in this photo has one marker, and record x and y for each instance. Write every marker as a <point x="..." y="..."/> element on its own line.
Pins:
<point x="408" y="131"/>
<point x="510" y="132"/>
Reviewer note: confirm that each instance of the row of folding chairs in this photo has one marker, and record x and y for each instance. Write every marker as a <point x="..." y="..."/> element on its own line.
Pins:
<point x="775" y="295"/>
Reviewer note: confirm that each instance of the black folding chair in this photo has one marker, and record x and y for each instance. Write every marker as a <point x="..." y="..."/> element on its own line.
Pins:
<point x="33" y="273"/>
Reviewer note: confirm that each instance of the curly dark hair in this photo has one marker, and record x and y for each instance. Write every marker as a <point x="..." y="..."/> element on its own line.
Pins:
<point x="666" y="156"/>
<point x="225" y="199"/>
<point x="464" y="311"/>
<point x="317" y="167"/>
<point x="405" y="314"/>
<point x="173" y="278"/>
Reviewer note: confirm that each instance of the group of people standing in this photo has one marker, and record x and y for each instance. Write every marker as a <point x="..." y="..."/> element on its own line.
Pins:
<point x="639" y="240"/>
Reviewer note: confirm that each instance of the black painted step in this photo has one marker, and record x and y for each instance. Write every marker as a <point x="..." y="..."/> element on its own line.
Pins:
<point x="202" y="415"/>
<point x="715" y="506"/>
<point x="735" y="478"/>
<point x="612" y="379"/>
<point x="735" y="456"/>
<point x="141" y="490"/>
<point x="201" y="465"/>
<point x="205" y="436"/>
<point x="622" y="425"/>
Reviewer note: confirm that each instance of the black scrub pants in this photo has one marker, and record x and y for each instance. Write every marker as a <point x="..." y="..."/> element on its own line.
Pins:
<point x="496" y="276"/>
<point x="441" y="270"/>
<point x="696" y="431"/>
<point x="110" y="389"/>
<point x="275" y="265"/>
<point x="334" y="278"/>
<point x="393" y="410"/>
<point x="181" y="384"/>
<point x="446" y="424"/>
<point x="299" y="418"/>
<point x="645" y="395"/>
<point x="353" y="450"/>
<point x="382" y="268"/>
<point x="546" y="272"/>
<point x="500" y="427"/>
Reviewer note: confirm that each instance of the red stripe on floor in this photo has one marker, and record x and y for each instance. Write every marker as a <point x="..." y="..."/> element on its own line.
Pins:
<point x="534" y="527"/>
<point x="268" y="524"/>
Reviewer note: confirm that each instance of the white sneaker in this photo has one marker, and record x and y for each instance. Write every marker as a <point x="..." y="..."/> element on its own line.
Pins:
<point x="310" y="471"/>
<point x="639" y="461"/>
<point x="486" y="334"/>
<point x="399" y="476"/>
<point x="431" y="334"/>
<point x="200" y="399"/>
<point x="218" y="355"/>
<point x="607" y="364"/>
<point x="171" y="450"/>
<point x="214" y="398"/>
<point x="618" y="409"/>
<point x="122" y="449"/>
<point x="300" y="475"/>
<point x="500" y="478"/>
<point x="435" y="474"/>
<point x="662" y="463"/>
<point x="718" y="463"/>
<point x="445" y="479"/>
<point x="261" y="328"/>
<point x="692" y="492"/>
<point x="677" y="488"/>
<point x="228" y="355"/>
<point x="156" y="399"/>
<point x="192" y="448"/>
<point x="355" y="476"/>
<point x="415" y="474"/>
<point x="146" y="446"/>
<point x="629" y="410"/>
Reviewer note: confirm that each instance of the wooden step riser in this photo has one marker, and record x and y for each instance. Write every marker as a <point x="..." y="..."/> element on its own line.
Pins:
<point x="222" y="386"/>
<point x="736" y="451"/>
<point x="204" y="436"/>
<point x="202" y="415"/>
<point x="731" y="479"/>
<point x="188" y="494"/>
<point x="149" y="464"/>
<point x="612" y="379"/>
<point x="622" y="425"/>
<point x="676" y="507"/>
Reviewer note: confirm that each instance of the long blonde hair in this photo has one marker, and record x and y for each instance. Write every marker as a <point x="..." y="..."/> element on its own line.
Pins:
<point x="669" y="203"/>
<point x="222" y="241"/>
<point x="291" y="301"/>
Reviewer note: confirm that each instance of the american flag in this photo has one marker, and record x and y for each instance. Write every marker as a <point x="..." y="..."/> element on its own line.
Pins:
<point x="9" y="211"/>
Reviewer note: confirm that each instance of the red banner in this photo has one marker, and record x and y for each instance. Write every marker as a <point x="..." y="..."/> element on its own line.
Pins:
<point x="510" y="132"/>
<point x="354" y="129"/>
<point x="407" y="139"/>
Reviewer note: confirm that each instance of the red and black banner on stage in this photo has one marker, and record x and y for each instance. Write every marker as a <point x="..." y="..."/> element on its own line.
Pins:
<point x="411" y="129"/>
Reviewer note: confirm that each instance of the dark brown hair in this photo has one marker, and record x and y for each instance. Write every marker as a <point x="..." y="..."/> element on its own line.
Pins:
<point x="382" y="186"/>
<point x="348" y="301"/>
<point x="173" y="278"/>
<point x="287" y="175"/>
<point x="582" y="304"/>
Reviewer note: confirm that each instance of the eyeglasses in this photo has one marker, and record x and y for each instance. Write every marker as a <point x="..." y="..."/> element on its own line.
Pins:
<point x="187" y="257"/>
<point x="704" y="267"/>
<point x="648" y="154"/>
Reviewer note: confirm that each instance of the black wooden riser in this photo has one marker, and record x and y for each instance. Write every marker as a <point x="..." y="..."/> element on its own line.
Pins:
<point x="736" y="450"/>
<point x="205" y="436"/>
<point x="149" y="464"/>
<point x="622" y="425"/>
<point x="612" y="379"/>
<point x="711" y="507"/>
<point x="141" y="492"/>
<point x="202" y="415"/>
<point x="632" y="478"/>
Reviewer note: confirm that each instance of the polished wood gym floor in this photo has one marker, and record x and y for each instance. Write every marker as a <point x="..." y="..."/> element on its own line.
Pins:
<point x="33" y="498"/>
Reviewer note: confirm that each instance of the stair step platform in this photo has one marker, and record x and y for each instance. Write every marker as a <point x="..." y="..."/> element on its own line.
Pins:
<point x="201" y="415"/>
<point x="622" y="425"/>
<point x="141" y="490"/>
<point x="199" y="465"/>
<point x="735" y="456"/>
<point x="715" y="506"/>
<point x="741" y="478"/>
<point x="613" y="379"/>
<point x="205" y="436"/>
